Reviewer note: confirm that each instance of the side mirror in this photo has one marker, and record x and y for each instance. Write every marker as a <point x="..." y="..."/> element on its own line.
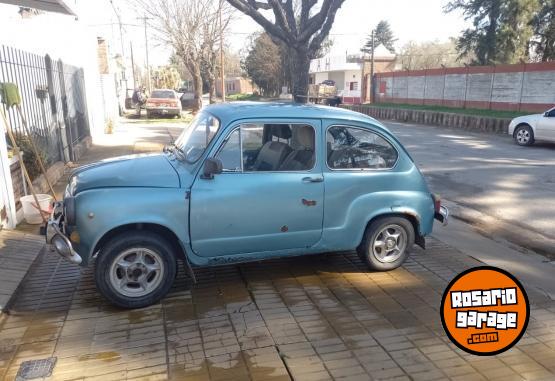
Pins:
<point x="212" y="166"/>
<point x="546" y="114"/>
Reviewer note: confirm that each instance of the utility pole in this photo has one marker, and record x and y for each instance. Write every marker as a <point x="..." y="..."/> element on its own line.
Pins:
<point x="222" y="72"/>
<point x="133" y="65"/>
<point x="372" y="70"/>
<point x="146" y="53"/>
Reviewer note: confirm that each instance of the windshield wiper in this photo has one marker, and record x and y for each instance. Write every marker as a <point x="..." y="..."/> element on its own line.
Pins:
<point x="175" y="150"/>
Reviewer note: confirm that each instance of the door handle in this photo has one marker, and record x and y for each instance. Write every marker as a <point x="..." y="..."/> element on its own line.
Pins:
<point x="308" y="202"/>
<point x="313" y="179"/>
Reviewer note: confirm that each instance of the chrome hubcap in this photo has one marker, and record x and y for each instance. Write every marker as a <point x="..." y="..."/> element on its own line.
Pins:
<point x="523" y="136"/>
<point x="136" y="272"/>
<point x="389" y="244"/>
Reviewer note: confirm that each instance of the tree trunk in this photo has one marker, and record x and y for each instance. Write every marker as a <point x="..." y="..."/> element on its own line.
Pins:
<point x="299" y="67"/>
<point x="197" y="85"/>
<point x="491" y="35"/>
<point x="212" y="87"/>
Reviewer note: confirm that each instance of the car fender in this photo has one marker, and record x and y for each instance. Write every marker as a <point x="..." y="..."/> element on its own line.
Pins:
<point x="350" y="231"/>
<point x="100" y="211"/>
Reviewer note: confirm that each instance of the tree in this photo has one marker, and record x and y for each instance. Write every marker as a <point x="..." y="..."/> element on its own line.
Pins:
<point x="186" y="26"/>
<point x="429" y="54"/>
<point x="166" y="77"/>
<point x="543" y="22"/>
<point x="501" y="29"/>
<point x="382" y="36"/>
<point x="299" y="27"/>
<point x="210" y="48"/>
<point x="263" y="64"/>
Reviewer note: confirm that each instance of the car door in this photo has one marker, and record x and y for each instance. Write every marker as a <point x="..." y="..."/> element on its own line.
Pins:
<point x="361" y="172"/>
<point x="546" y="126"/>
<point x="269" y="196"/>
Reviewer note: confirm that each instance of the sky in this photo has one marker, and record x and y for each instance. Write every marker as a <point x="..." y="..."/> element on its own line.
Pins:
<point x="411" y="20"/>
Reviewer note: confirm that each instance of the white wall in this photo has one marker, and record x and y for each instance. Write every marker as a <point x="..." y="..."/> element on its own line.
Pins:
<point x="6" y="188"/>
<point x="62" y="37"/>
<point x="320" y="77"/>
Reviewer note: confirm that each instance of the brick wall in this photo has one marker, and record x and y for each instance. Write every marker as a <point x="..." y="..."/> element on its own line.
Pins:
<point x="520" y="87"/>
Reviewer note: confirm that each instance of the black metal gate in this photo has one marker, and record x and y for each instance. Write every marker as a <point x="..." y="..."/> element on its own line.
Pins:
<point x="53" y="101"/>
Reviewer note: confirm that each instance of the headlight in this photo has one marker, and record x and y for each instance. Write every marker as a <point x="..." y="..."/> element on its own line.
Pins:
<point x="69" y="210"/>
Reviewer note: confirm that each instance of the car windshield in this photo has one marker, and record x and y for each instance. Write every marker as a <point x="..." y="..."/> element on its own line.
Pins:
<point x="163" y="94"/>
<point x="197" y="136"/>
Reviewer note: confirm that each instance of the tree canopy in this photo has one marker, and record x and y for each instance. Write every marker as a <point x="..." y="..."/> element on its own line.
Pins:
<point x="383" y="35"/>
<point x="299" y="26"/>
<point x="506" y="31"/>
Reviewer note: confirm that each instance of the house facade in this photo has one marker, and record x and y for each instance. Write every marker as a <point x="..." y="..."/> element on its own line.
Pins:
<point x="351" y="73"/>
<point x="235" y="85"/>
<point x="52" y="57"/>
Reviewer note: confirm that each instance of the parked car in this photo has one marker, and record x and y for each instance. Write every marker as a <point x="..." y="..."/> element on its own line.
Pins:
<point x="163" y="102"/>
<point x="528" y="128"/>
<point x="244" y="182"/>
<point x="187" y="100"/>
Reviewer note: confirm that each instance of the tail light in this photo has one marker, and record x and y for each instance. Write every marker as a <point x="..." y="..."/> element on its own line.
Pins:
<point x="437" y="202"/>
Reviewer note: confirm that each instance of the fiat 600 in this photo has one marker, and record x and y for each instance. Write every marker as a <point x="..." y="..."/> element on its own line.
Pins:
<point x="244" y="182"/>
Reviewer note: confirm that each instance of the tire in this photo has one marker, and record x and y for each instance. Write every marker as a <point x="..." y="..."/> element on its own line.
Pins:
<point x="135" y="283"/>
<point x="524" y="135"/>
<point x="384" y="257"/>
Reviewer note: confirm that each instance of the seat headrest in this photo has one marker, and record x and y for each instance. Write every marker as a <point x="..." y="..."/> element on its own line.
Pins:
<point x="282" y="131"/>
<point x="305" y="136"/>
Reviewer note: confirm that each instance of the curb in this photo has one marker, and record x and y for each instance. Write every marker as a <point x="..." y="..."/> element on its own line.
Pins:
<point x="436" y="118"/>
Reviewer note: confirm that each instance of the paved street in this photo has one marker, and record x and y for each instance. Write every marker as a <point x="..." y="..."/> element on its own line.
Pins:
<point x="308" y="318"/>
<point x="493" y="175"/>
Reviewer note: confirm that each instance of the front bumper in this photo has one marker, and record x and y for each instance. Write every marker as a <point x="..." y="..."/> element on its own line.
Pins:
<point x="56" y="239"/>
<point x="442" y="215"/>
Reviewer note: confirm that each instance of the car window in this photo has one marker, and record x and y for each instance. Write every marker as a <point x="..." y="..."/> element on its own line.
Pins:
<point x="162" y="94"/>
<point x="230" y="153"/>
<point x="551" y="113"/>
<point x="356" y="148"/>
<point x="257" y="147"/>
<point x="197" y="136"/>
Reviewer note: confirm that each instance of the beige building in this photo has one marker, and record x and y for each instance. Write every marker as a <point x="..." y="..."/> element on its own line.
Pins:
<point x="235" y="85"/>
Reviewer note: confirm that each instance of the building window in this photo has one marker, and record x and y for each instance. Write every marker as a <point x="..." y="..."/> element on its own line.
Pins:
<point x="353" y="86"/>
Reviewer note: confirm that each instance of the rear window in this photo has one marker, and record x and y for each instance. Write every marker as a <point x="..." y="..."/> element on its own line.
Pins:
<point x="164" y="94"/>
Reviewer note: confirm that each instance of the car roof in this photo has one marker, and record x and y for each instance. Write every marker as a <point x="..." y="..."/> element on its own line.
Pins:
<point x="231" y="111"/>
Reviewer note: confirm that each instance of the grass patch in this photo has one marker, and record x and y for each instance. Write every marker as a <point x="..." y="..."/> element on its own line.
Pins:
<point x="455" y="110"/>
<point x="243" y="97"/>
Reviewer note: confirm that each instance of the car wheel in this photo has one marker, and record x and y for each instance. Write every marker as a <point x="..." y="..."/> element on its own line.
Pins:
<point x="387" y="242"/>
<point x="524" y="135"/>
<point x="135" y="269"/>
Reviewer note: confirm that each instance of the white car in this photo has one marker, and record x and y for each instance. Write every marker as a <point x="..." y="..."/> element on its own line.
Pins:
<point x="529" y="128"/>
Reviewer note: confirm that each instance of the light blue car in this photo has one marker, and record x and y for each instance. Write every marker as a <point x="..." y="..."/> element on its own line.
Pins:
<point x="244" y="182"/>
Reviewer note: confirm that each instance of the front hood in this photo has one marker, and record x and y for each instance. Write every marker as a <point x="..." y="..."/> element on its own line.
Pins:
<point x="125" y="171"/>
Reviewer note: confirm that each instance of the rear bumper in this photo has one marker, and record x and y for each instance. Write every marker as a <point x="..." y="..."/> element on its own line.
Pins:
<point x="442" y="215"/>
<point x="56" y="240"/>
<point x="164" y="110"/>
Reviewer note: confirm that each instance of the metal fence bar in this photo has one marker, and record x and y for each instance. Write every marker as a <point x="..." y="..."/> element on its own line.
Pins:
<point x="47" y="87"/>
